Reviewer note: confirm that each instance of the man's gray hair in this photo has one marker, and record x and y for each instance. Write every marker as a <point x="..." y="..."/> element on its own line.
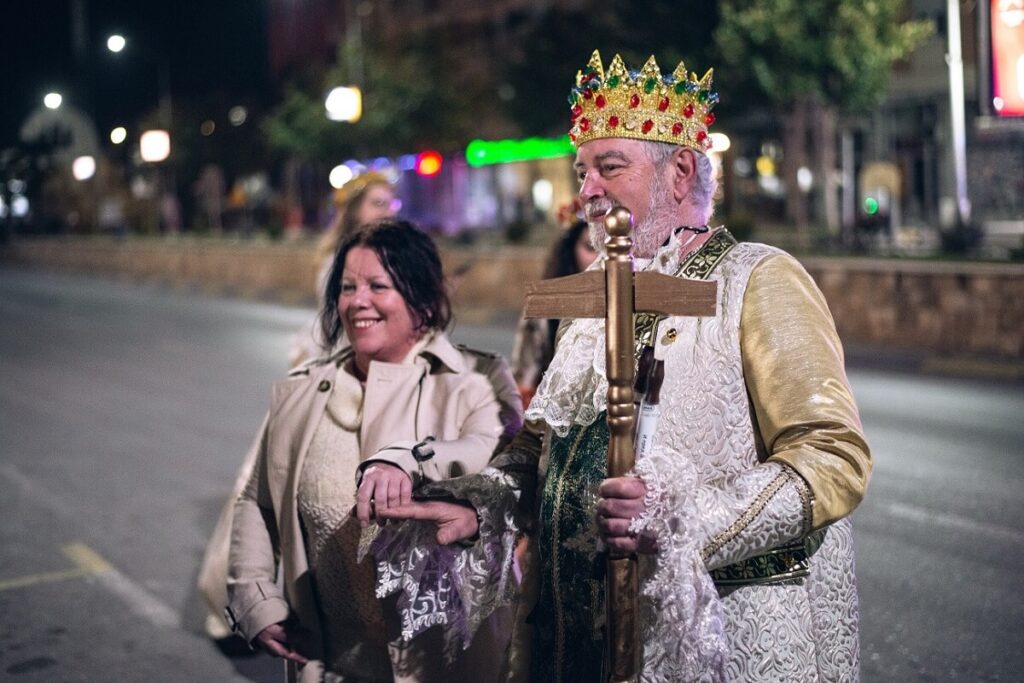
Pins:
<point x="702" y="195"/>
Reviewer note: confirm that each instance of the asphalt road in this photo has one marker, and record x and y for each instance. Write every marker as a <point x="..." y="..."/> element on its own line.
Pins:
<point x="125" y="410"/>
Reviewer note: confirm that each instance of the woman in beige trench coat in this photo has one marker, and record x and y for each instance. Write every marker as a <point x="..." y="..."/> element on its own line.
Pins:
<point x="348" y="436"/>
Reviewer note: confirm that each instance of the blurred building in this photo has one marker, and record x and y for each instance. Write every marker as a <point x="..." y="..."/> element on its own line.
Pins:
<point x="914" y="129"/>
<point x="896" y="166"/>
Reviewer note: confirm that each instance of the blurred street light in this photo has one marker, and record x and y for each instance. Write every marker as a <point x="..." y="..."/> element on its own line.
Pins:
<point x="344" y="104"/>
<point x="83" y="168"/>
<point x="116" y="43"/>
<point x="340" y="175"/>
<point x="52" y="100"/>
<point x="237" y="115"/>
<point x="155" y="145"/>
<point x="118" y="135"/>
<point x="719" y="142"/>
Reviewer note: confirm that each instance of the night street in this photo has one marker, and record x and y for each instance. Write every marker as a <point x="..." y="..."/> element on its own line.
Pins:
<point x="125" y="410"/>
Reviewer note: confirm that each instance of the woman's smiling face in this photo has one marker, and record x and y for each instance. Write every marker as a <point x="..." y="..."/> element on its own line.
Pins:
<point x="373" y="312"/>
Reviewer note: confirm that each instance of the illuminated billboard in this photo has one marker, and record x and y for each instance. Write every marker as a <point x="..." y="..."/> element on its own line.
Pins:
<point x="1007" y="23"/>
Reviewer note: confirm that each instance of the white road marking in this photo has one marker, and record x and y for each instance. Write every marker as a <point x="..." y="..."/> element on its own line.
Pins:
<point x="949" y="521"/>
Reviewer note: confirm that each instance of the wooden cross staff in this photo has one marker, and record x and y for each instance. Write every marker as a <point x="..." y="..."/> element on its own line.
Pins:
<point x="616" y="295"/>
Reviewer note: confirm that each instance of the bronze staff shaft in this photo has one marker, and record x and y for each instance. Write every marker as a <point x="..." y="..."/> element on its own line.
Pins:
<point x="622" y="587"/>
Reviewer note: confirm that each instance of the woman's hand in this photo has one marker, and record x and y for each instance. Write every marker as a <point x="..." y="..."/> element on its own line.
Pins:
<point x="455" y="521"/>
<point x="279" y="640"/>
<point x="383" y="486"/>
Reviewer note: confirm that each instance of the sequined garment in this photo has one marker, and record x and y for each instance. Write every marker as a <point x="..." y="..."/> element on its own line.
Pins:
<point x="733" y="492"/>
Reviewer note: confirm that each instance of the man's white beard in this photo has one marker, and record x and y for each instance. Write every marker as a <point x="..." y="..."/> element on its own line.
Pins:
<point x="650" y="233"/>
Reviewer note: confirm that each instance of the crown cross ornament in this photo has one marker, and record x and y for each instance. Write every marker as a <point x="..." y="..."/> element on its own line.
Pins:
<point x="642" y="105"/>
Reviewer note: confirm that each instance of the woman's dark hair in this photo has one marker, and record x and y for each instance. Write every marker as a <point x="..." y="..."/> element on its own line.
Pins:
<point x="411" y="259"/>
<point x="562" y="259"/>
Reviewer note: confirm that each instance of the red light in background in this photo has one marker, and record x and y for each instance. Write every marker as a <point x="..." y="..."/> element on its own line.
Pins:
<point x="1007" y="58"/>
<point x="428" y="163"/>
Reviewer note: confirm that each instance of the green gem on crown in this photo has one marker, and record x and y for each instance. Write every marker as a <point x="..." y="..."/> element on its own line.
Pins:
<point x="649" y="85"/>
<point x="613" y="82"/>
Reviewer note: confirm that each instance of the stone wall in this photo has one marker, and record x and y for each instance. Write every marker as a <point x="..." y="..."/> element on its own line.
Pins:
<point x="921" y="306"/>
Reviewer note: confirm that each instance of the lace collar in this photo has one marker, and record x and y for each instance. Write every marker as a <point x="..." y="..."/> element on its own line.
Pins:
<point x="574" y="390"/>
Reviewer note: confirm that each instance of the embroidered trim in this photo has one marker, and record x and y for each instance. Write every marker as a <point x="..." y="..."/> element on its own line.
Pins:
<point x="747" y="517"/>
<point x="555" y="544"/>
<point x="697" y="266"/>
<point x="806" y="498"/>
<point x="786" y="562"/>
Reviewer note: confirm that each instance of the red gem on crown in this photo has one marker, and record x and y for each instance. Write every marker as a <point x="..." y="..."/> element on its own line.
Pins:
<point x="646" y="128"/>
<point x="688" y="111"/>
<point x="584" y="125"/>
<point x="677" y="128"/>
<point x="634" y="101"/>
<point x="701" y="136"/>
<point x="663" y="105"/>
<point x="600" y="102"/>
<point x="709" y="119"/>
<point x="613" y="121"/>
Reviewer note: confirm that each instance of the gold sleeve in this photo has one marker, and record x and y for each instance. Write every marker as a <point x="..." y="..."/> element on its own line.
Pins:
<point x="803" y="407"/>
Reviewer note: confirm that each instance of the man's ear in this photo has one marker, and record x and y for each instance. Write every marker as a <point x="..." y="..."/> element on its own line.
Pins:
<point x="684" y="171"/>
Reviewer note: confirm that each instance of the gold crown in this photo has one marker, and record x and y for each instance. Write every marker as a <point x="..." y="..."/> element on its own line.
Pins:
<point x="642" y="105"/>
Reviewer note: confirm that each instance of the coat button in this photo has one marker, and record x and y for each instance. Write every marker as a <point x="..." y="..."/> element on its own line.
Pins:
<point x="324" y="385"/>
<point x="671" y="335"/>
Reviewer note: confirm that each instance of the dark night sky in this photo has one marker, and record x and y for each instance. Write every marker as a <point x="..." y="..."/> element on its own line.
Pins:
<point x="215" y="51"/>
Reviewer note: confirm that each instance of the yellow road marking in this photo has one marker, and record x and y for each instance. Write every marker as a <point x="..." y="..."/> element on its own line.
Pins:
<point x="87" y="563"/>
<point x="48" y="577"/>
<point x="86" y="558"/>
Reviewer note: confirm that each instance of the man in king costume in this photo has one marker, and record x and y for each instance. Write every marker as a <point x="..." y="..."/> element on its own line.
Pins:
<point x="740" y="514"/>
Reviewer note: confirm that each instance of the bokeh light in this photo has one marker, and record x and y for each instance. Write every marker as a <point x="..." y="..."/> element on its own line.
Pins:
<point x="83" y="167"/>
<point x="237" y="115"/>
<point x="340" y="175"/>
<point x="155" y="145"/>
<point x="429" y="163"/>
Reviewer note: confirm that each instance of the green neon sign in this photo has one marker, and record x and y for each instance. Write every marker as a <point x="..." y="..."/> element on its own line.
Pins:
<point x="484" y="153"/>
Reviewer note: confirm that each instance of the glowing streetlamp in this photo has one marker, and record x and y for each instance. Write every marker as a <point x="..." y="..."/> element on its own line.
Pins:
<point x="340" y="175"/>
<point x="118" y="135"/>
<point x="155" y="146"/>
<point x="52" y="100"/>
<point x="344" y="104"/>
<point x="83" y="168"/>
<point x="116" y="43"/>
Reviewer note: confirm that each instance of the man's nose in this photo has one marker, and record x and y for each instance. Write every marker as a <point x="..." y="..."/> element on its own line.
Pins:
<point x="592" y="187"/>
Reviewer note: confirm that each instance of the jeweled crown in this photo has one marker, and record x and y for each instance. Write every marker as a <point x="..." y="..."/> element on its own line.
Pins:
<point x="642" y="105"/>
